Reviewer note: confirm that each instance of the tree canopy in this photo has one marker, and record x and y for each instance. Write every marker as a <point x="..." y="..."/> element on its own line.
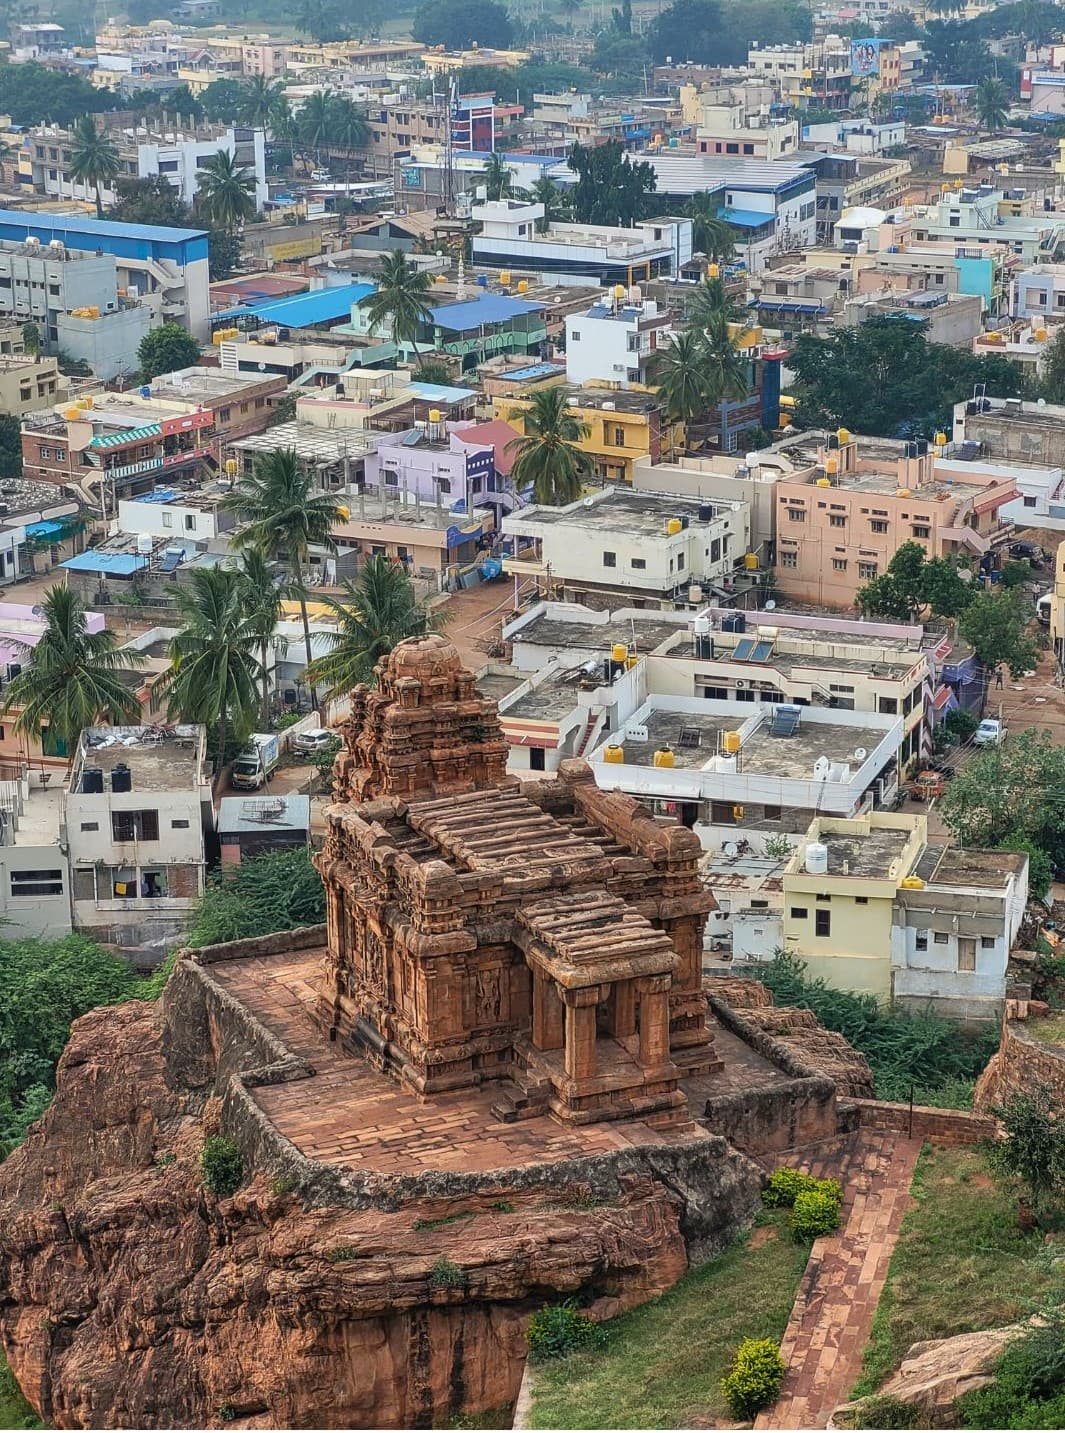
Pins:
<point x="913" y="582"/>
<point x="166" y="349"/>
<point x="711" y="32"/>
<point x="994" y="624"/>
<point x="275" y="892"/>
<point x="1010" y="794"/>
<point x="612" y="187"/>
<point x="31" y="93"/>
<point x="457" y="24"/>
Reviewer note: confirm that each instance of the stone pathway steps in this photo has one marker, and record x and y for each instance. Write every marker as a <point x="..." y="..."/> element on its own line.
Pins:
<point x="833" y="1313"/>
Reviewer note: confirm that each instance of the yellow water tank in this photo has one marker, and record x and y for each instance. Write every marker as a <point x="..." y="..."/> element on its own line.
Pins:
<point x="83" y="403"/>
<point x="940" y="440"/>
<point x="435" y="415"/>
<point x="523" y="286"/>
<point x="231" y="467"/>
<point x="663" y="757"/>
<point x="615" y="755"/>
<point x="217" y="336"/>
<point x="673" y="526"/>
<point x="912" y="883"/>
<point x="343" y="513"/>
<point x="619" y="291"/>
<point x="832" y="465"/>
<point x="94" y="311"/>
<point x="713" y="271"/>
<point x="1040" y="335"/>
<point x="619" y="652"/>
<point x="843" y="434"/>
<point x="787" y="401"/>
<point x="750" y="561"/>
<point x="71" y="414"/>
<point x="993" y="337"/>
<point x="90" y="401"/>
<point x="738" y="813"/>
<point x="732" y="743"/>
<point x="904" y="493"/>
<point x="504" y="277"/>
<point x="824" y="482"/>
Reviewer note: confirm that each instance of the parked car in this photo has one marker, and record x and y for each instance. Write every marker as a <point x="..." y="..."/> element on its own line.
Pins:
<point x="311" y="741"/>
<point x="988" y="733"/>
<point x="1030" y="550"/>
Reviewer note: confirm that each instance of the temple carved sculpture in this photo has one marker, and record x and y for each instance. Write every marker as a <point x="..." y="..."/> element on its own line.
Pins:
<point x="542" y="936"/>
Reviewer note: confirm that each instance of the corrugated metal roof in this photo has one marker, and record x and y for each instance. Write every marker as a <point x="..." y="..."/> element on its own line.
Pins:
<point x="744" y="218"/>
<point x="116" y="564"/>
<point x="127" y="435"/>
<point x="490" y="308"/>
<point x="304" y="310"/>
<point x="69" y="227"/>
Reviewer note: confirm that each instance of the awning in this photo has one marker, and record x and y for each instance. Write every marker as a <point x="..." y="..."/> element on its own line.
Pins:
<point x="789" y="306"/>
<point x="531" y="738"/>
<point x="744" y="218"/>
<point x="989" y="504"/>
<point x="128" y="435"/>
<point x="967" y="536"/>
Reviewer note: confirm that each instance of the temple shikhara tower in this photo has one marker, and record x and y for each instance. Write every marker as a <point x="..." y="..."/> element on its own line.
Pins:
<point x="546" y="936"/>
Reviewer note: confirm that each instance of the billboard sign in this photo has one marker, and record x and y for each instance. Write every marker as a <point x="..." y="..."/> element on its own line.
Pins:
<point x="865" y="58"/>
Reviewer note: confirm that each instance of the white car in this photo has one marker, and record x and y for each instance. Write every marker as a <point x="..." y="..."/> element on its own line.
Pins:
<point x="311" y="741"/>
<point x="988" y="733"/>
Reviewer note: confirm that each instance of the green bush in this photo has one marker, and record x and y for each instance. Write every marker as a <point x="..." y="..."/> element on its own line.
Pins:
<point x="785" y="1185"/>
<point x="754" y="1380"/>
<point x="222" y="1166"/>
<point x="559" y="1329"/>
<point x="446" y="1275"/>
<point x="961" y="723"/>
<point x="1029" y="1386"/>
<point x="884" y="1411"/>
<point x="815" y="1212"/>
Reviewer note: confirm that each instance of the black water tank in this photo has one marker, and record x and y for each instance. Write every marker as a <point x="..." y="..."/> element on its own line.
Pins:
<point x="734" y="622"/>
<point x="922" y="447"/>
<point x="685" y="521"/>
<point x="92" y="781"/>
<point x="833" y="441"/>
<point x="706" y="512"/>
<point x="121" y="778"/>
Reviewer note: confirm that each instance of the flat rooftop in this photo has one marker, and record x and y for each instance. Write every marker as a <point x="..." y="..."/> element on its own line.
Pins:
<point x="829" y="652"/>
<point x="860" y="854"/>
<point x="790" y="757"/>
<point x="160" y="758"/>
<point x="548" y="631"/>
<point x="620" y="510"/>
<point x="200" y="384"/>
<point x="312" y="442"/>
<point x="955" y="866"/>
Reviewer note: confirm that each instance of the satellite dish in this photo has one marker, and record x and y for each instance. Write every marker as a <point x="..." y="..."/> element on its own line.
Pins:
<point x="589" y="502"/>
<point x="770" y="606"/>
<point x="37" y="611"/>
<point x="860" y="753"/>
<point x="731" y="850"/>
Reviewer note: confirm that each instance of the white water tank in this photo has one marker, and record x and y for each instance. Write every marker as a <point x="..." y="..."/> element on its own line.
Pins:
<point x="817" y="859"/>
<point x="822" y="766"/>
<point x="725" y="763"/>
<point x="701" y="626"/>
<point x="145" y="543"/>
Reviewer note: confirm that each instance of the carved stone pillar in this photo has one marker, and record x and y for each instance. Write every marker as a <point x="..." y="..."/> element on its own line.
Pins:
<point x="623" y="1009"/>
<point x="580" y="1032"/>
<point x="548" y="1012"/>
<point x="654" y="1021"/>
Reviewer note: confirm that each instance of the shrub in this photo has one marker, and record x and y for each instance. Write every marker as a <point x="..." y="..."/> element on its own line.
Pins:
<point x="559" y="1329"/>
<point x="222" y="1166"/>
<point x="446" y="1275"/>
<point x="1029" y="1386"/>
<point x="754" y="1380"/>
<point x="961" y="723"/>
<point x="1033" y="1149"/>
<point x="814" y="1213"/>
<point x="884" y="1411"/>
<point x="785" y="1185"/>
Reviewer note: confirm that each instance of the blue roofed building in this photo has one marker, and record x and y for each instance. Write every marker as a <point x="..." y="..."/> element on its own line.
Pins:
<point x="472" y="329"/>
<point x="318" y="308"/>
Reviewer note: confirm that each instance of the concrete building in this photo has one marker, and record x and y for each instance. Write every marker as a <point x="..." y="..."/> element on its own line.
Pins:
<point x="28" y="383"/>
<point x="615" y="543"/>
<point x="42" y="282"/>
<point x="872" y="906"/>
<point x="433" y="465"/>
<point x="982" y="215"/>
<point x="840" y="521"/>
<point x="175" y="153"/>
<point x="196" y="519"/>
<point x="165" y="266"/>
<point x="1038" y="292"/>
<point x="622" y="427"/>
<point x="510" y="239"/>
<point x="108" y="342"/>
<point x="429" y="541"/>
<point x="38" y="40"/>
<point x="1012" y="431"/>
<point x="249" y="827"/>
<point x="616" y="340"/>
<point x="953" y="319"/>
<point x="137" y="807"/>
<point x="814" y="74"/>
<point x="849" y="181"/>
<point x="731" y="128"/>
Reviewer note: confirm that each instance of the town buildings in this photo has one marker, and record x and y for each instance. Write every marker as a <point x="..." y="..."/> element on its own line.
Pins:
<point x="618" y="428"/>
<point x="616" y="340"/>
<point x="511" y="238"/>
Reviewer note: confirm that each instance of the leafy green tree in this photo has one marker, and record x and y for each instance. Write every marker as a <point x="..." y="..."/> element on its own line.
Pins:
<point x="32" y="93"/>
<point x="1052" y="383"/>
<point x="611" y="187"/>
<point x="321" y="19"/>
<point x="47" y="985"/>
<point x="276" y="892"/>
<point x="313" y="124"/>
<point x="10" y="446"/>
<point x="728" y="376"/>
<point x="994" y="624"/>
<point x="213" y="666"/>
<point x="74" y="677"/>
<point x="1011" y="792"/>
<point x="400" y="302"/>
<point x="152" y="200"/>
<point x="498" y="177"/>
<point x="262" y="103"/>
<point x="226" y="191"/>
<point x="223" y="253"/>
<point x="710" y="301"/>
<point x="556" y="203"/>
<point x="548" y="459"/>
<point x="913" y="582"/>
<point x="458" y="24"/>
<point x="285" y="517"/>
<point x="619" y="56"/>
<point x="991" y="103"/>
<point x="93" y="158"/>
<point x="222" y="99"/>
<point x="166" y="349"/>
<point x="435" y="371"/>
<point x="688" y="30"/>
<point x="263" y="598"/>
<point x="377" y="610"/>
<point x="31" y="338"/>
<point x="1033" y="1147"/>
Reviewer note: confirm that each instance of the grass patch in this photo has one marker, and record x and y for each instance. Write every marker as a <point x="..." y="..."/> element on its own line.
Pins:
<point x="15" y="1412"/>
<point x="663" y="1363"/>
<point x="1049" y="1028"/>
<point x="960" y="1265"/>
<point x="444" y="1219"/>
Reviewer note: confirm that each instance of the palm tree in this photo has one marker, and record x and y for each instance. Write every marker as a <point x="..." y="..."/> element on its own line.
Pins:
<point x="548" y="457"/>
<point x="726" y="370"/>
<point x="263" y="597"/>
<point x="93" y="158"/>
<point x="74" y="678"/>
<point x="348" y="130"/>
<point x="313" y="122"/>
<point x="226" y="190"/>
<point x="680" y="378"/>
<point x="991" y="103"/>
<point x="498" y="177"/>
<point x="709" y="301"/>
<point x="377" y="610"/>
<point x="400" y="300"/>
<point x="213" y="666"/>
<point x="285" y="518"/>
<point x="546" y="192"/>
<point x="711" y="235"/>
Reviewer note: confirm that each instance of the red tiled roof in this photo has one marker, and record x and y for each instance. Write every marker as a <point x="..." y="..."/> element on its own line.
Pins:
<point x="498" y="434"/>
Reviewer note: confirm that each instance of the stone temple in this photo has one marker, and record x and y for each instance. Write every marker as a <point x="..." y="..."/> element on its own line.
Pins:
<point x="544" y="937"/>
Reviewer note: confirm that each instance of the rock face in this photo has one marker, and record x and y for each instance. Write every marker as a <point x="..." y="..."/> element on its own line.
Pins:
<point x="1022" y="1060"/>
<point x="132" y="1298"/>
<point x="935" y="1374"/>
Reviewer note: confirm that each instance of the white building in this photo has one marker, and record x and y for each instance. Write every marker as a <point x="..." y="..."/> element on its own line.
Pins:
<point x="1038" y="292"/>
<point x="137" y="807"/>
<point x="621" y="542"/>
<point x="981" y="215"/>
<point x="509" y="239"/>
<point x="42" y="282"/>
<point x="197" y="519"/>
<point x="730" y="128"/>
<point x="616" y="340"/>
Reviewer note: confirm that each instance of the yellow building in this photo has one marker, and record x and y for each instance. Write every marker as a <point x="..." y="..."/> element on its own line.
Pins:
<point x="623" y="427"/>
<point x="1057" y="605"/>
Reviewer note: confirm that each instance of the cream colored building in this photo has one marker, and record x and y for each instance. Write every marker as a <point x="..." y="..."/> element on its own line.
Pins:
<point x="28" y="384"/>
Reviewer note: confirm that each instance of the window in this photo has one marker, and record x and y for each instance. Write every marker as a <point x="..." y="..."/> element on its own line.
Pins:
<point x="867" y="571"/>
<point x="987" y="942"/>
<point x="861" y="900"/>
<point x="878" y="525"/>
<point x="168" y="519"/>
<point x="135" y="825"/>
<point x="839" y="564"/>
<point x="223" y="415"/>
<point x="716" y="694"/>
<point x="391" y="478"/>
<point x="888" y="706"/>
<point x="941" y="938"/>
<point x="179" y="825"/>
<point x="639" y="563"/>
<point x="36" y="883"/>
<point x="680" y="561"/>
<point x="789" y="559"/>
<point x="822" y="923"/>
<point x="536" y="758"/>
<point x="836" y="520"/>
<point x="799" y="913"/>
<point x="610" y="559"/>
<point x="967" y="952"/>
<point x="90" y="825"/>
<point x="444" y="484"/>
<point x="1029" y="502"/>
<point x="921" y="940"/>
<point x="922" y="531"/>
<point x="575" y="336"/>
<point x="797" y="514"/>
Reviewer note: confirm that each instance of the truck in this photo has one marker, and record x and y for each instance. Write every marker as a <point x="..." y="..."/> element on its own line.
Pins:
<point x="255" y="764"/>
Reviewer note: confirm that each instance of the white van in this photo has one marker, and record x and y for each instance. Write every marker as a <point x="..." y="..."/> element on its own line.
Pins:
<point x="1043" y="608"/>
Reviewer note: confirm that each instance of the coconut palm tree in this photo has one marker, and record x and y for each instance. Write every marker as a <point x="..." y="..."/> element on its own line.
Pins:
<point x="314" y="121"/>
<point x="727" y="372"/>
<point x="226" y="191"/>
<point x="263" y="104"/>
<point x="498" y="177"/>
<point x="548" y="458"/>
<point x="348" y="129"/>
<point x="376" y="611"/>
<point x="708" y="301"/>
<point x="285" y="517"/>
<point x="400" y="300"/>
<point x="263" y="596"/>
<point x="75" y="677"/>
<point x="213" y="666"/>
<point x="94" y="159"/>
<point x="991" y="103"/>
<point x="546" y="192"/>
<point x="711" y="235"/>
<point x="680" y="379"/>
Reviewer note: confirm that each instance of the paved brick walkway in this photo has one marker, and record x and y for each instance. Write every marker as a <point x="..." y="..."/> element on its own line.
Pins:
<point x="833" y="1313"/>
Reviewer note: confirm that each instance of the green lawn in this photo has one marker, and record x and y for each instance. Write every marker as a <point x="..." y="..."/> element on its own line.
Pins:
<point x="1050" y="1029"/>
<point x="663" y="1362"/>
<point x="961" y="1263"/>
<point x="15" y="1412"/>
